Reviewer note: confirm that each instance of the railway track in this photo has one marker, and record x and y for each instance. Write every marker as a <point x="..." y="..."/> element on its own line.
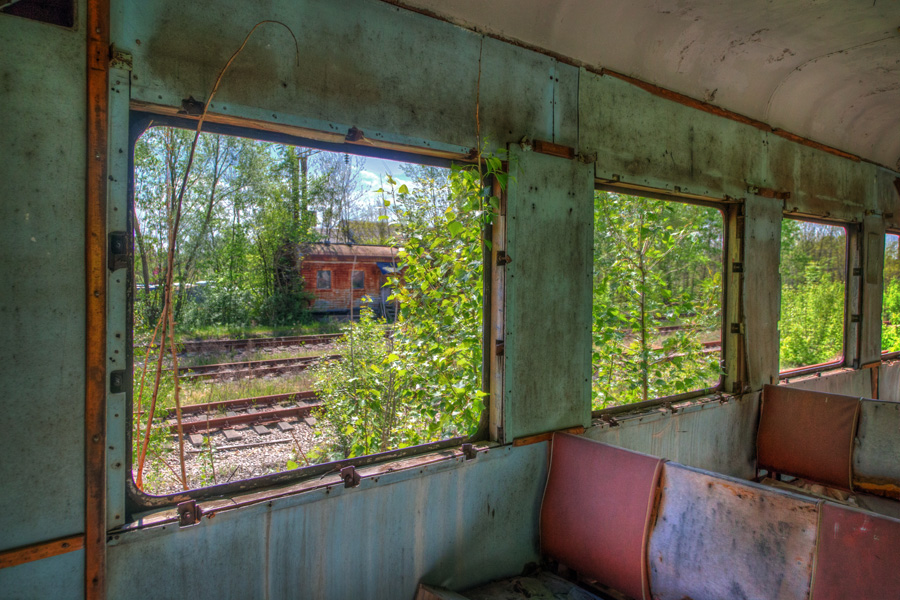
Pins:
<point x="232" y="417"/>
<point x="193" y="346"/>
<point x="252" y="368"/>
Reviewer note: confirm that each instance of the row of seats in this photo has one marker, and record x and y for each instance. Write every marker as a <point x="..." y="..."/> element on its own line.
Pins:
<point x="840" y="442"/>
<point x="644" y="528"/>
<point x="655" y="529"/>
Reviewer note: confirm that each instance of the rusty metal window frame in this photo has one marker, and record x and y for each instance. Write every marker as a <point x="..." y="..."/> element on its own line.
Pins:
<point x="140" y="503"/>
<point x="842" y="361"/>
<point x="895" y="232"/>
<point x="722" y="207"/>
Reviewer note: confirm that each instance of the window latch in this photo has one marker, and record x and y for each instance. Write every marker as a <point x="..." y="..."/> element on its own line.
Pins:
<point x="469" y="451"/>
<point x="350" y="476"/>
<point x="189" y="513"/>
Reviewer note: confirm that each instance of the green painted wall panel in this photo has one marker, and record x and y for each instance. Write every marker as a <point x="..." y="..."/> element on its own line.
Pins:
<point x="646" y="140"/>
<point x="548" y="294"/>
<point x="713" y="436"/>
<point x="396" y="75"/>
<point x="42" y="295"/>
<point x="454" y="524"/>
<point x="56" y="578"/>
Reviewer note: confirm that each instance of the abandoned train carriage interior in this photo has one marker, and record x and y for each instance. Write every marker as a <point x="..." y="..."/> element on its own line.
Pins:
<point x="773" y="473"/>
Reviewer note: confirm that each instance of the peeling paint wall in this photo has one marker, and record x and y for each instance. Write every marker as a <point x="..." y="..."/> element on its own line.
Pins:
<point x="403" y="78"/>
<point x="42" y="91"/>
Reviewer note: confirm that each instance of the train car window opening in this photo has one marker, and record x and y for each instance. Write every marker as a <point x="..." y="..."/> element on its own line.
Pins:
<point x="657" y="299"/>
<point x="274" y="377"/>
<point x="813" y="271"/>
<point x="890" y="306"/>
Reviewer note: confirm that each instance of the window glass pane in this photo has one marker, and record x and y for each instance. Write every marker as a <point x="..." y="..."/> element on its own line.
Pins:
<point x="813" y="275"/>
<point x="272" y="241"/>
<point x="890" y="308"/>
<point x="657" y="298"/>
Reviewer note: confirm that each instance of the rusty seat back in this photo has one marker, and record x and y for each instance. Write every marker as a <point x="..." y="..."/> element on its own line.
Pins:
<point x="596" y="510"/>
<point x="858" y="555"/>
<point x="807" y="434"/>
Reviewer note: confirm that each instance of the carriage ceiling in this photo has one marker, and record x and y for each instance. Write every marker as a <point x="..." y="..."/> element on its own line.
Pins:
<point x="826" y="70"/>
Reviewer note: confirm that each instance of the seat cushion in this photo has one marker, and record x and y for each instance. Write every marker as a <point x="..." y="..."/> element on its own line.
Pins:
<point x="596" y="508"/>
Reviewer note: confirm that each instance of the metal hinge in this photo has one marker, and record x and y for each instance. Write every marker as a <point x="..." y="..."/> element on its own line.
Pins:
<point x="189" y="513"/>
<point x="119" y="59"/>
<point x="117" y="382"/>
<point x="118" y="250"/>
<point x="857" y="271"/>
<point x="737" y="267"/>
<point x="737" y="328"/>
<point x="856" y="318"/>
<point x="499" y="348"/>
<point x="503" y="258"/>
<point x="350" y="476"/>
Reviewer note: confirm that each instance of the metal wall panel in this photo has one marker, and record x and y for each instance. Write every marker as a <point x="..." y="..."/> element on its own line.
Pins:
<point x="889" y="382"/>
<point x="843" y="381"/>
<point x="713" y="436"/>
<point x="876" y="458"/>
<point x="453" y="525"/>
<point x="646" y="140"/>
<point x="42" y="134"/>
<point x="872" y="291"/>
<point x="57" y="578"/>
<point x="820" y="184"/>
<point x="762" y="289"/>
<point x="396" y="75"/>
<point x="548" y="294"/>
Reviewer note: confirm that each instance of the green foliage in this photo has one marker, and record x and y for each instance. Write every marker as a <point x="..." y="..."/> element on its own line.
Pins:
<point x="890" y="311"/>
<point x="422" y="382"/>
<point x="246" y="212"/>
<point x="812" y="320"/>
<point x="656" y="264"/>
<point x="812" y="293"/>
<point x="890" y="329"/>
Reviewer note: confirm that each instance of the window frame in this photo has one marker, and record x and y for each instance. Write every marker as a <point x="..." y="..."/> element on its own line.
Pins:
<point x="784" y="375"/>
<point x="138" y="501"/>
<point x="723" y="207"/>
<point x="362" y="274"/>
<point x="318" y="273"/>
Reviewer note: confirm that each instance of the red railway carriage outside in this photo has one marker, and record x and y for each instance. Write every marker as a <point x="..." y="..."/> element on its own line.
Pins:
<point x="340" y="276"/>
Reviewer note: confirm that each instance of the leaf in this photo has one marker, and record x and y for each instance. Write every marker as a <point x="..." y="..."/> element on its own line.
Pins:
<point x="455" y="228"/>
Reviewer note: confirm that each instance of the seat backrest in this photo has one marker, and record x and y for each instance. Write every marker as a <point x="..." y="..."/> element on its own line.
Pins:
<point x="596" y="509"/>
<point x="719" y="537"/>
<point x="807" y="434"/>
<point x="858" y="555"/>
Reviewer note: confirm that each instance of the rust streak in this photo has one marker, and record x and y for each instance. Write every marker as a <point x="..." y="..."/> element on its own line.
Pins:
<point x="26" y="554"/>
<point x="687" y="100"/>
<point x="818" y="146"/>
<point x="545" y="147"/>
<point x="543" y="437"/>
<point x="97" y="118"/>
